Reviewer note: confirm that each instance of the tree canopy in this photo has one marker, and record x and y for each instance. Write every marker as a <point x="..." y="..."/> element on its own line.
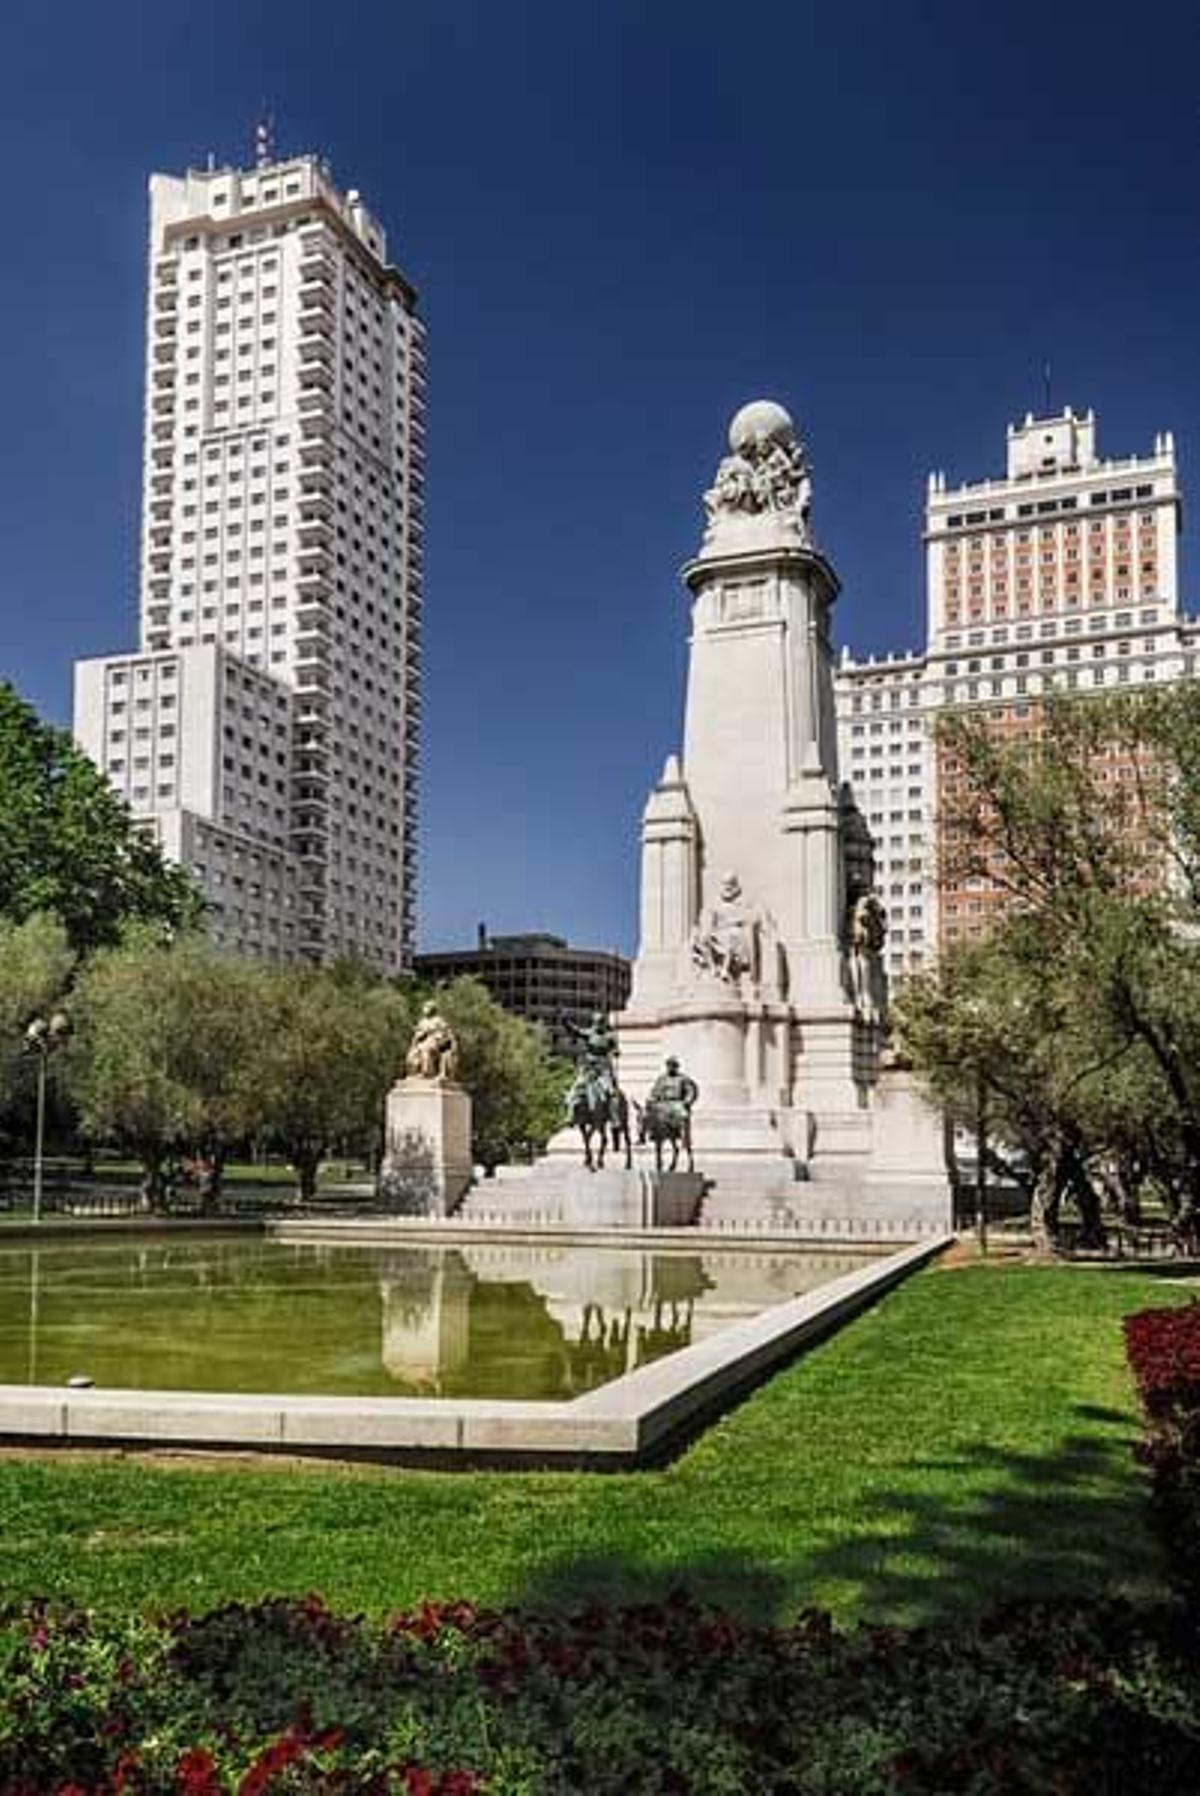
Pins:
<point x="165" y="1034"/>
<point x="516" y="1085"/>
<point x="69" y="845"/>
<point x="1079" y="1017"/>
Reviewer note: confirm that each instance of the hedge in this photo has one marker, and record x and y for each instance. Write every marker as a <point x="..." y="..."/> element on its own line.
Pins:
<point x="672" y="1698"/>
<point x="1163" y="1346"/>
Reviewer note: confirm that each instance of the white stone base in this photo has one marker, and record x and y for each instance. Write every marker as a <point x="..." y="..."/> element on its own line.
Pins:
<point x="427" y="1159"/>
<point x="568" y="1195"/>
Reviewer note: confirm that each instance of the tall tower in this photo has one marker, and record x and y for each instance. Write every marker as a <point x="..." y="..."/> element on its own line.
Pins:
<point x="283" y="496"/>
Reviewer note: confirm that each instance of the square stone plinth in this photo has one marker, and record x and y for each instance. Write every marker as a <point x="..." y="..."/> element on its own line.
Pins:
<point x="427" y="1159"/>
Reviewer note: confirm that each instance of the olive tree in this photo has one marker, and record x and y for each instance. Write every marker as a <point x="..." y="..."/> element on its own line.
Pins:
<point x="164" y="1036"/>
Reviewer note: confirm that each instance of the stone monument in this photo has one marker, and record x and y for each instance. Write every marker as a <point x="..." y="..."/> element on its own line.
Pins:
<point x="427" y="1153"/>
<point x="759" y="963"/>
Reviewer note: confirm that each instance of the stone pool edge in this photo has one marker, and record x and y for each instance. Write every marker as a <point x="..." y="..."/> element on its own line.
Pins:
<point x="624" y="1424"/>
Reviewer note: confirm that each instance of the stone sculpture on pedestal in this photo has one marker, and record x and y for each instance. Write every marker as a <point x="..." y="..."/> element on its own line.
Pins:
<point x="759" y="963"/>
<point x="427" y="1156"/>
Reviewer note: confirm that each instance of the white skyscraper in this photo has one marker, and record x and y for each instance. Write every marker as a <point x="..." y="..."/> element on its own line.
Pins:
<point x="268" y="726"/>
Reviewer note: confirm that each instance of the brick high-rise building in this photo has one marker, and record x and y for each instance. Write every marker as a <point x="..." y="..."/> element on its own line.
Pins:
<point x="267" y="727"/>
<point x="1061" y="575"/>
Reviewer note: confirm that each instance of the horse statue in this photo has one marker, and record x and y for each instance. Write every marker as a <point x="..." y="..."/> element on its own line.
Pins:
<point x="666" y="1116"/>
<point x="598" y="1115"/>
<point x="595" y="1104"/>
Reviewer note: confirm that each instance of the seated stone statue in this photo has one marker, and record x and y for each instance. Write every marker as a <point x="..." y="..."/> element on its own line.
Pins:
<point x="433" y="1051"/>
<point x="725" y="941"/>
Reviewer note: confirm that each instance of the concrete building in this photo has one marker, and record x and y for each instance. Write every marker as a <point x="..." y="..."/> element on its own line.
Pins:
<point x="538" y="977"/>
<point x="283" y="496"/>
<point x="1061" y="575"/>
<point x="199" y="743"/>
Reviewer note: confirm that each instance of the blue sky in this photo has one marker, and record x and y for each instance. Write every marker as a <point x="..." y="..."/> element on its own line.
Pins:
<point x="624" y="219"/>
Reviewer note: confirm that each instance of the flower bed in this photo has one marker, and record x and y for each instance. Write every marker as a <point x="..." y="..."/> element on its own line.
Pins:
<point x="1164" y="1351"/>
<point x="451" y="1701"/>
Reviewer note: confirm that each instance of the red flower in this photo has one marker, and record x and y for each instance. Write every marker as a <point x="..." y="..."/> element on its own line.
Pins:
<point x="196" y="1774"/>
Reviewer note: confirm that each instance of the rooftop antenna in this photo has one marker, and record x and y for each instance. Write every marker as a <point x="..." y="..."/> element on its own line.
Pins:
<point x="264" y="139"/>
<point x="1046" y="388"/>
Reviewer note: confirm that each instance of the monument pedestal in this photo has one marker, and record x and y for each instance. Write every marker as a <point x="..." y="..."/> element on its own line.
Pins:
<point x="427" y="1162"/>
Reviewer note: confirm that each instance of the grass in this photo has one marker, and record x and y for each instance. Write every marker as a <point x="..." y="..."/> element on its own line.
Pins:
<point x="966" y="1441"/>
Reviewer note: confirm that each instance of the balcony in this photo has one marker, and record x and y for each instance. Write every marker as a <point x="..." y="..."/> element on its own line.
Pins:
<point x="316" y="265"/>
<point x="312" y="618"/>
<point x="164" y="403"/>
<point x="315" y="533"/>
<point x="316" y="347"/>
<point x="311" y="675"/>
<point x="166" y="324"/>
<point x="315" y="375"/>
<point x="309" y="848"/>
<point x="317" y="309"/>
<point x="318" y="481"/>
<point x="317" y="424"/>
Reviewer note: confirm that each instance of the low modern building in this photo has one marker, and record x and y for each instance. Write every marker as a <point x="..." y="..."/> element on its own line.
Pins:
<point x="538" y="977"/>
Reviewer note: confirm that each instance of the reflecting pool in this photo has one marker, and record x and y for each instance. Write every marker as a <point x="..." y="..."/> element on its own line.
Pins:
<point x="476" y="1320"/>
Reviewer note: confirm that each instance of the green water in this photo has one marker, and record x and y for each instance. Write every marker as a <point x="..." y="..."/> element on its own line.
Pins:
<point x="225" y="1314"/>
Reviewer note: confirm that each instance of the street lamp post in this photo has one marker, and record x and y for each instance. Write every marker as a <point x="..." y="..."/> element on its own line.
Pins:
<point x="42" y="1037"/>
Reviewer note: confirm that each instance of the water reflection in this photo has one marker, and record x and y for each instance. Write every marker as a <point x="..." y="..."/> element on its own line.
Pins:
<point x="488" y="1320"/>
<point x="451" y="1316"/>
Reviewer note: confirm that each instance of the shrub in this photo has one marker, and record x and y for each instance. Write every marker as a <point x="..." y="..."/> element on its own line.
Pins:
<point x="453" y="1701"/>
<point x="1163" y="1346"/>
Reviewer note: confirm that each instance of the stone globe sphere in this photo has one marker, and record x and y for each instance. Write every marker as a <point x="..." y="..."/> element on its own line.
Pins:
<point x="761" y="422"/>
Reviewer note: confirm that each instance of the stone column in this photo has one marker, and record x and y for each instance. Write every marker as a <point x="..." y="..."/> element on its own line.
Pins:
<point x="669" y="885"/>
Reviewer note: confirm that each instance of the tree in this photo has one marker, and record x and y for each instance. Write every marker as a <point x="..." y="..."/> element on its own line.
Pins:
<point x="165" y="1033"/>
<point x="1080" y="1017"/>
<point x="68" y="844"/>
<point x="516" y="1084"/>
<point x="330" y="1042"/>
<point x="35" y="965"/>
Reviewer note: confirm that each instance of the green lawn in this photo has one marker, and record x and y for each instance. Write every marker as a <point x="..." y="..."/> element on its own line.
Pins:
<point x="966" y="1441"/>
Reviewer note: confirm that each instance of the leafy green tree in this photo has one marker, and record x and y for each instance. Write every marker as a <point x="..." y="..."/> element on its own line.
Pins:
<point x="329" y="1043"/>
<point x="1080" y="1017"/>
<point x="516" y="1084"/>
<point x="165" y="1033"/>
<point x="69" y="845"/>
<point x="36" y="960"/>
